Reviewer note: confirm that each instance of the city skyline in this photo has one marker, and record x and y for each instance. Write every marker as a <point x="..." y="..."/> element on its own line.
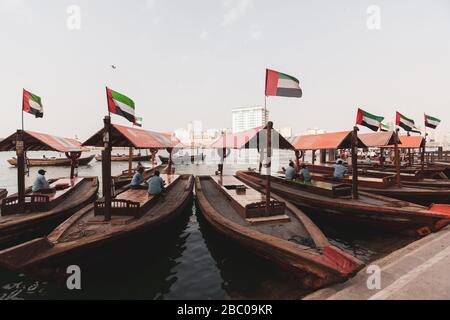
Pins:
<point x="180" y="63"/>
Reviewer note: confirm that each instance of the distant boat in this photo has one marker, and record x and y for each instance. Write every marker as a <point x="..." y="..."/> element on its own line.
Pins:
<point x="125" y="158"/>
<point x="52" y="162"/>
<point x="183" y="159"/>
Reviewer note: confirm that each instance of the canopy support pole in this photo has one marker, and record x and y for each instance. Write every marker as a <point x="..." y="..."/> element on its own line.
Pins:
<point x="130" y="161"/>
<point x="20" y="152"/>
<point x="106" y="168"/>
<point x="397" y="159"/>
<point x="269" y="164"/>
<point x="355" y="163"/>
<point x="422" y="156"/>
<point x="297" y="160"/>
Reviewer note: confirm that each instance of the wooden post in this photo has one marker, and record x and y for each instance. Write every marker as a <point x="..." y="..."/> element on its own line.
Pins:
<point x="269" y="164"/>
<point x="130" y="161"/>
<point x="397" y="160"/>
<point x="169" y="167"/>
<point x="422" y="156"/>
<point x="297" y="160"/>
<point x="20" y="152"/>
<point x="410" y="157"/>
<point x="313" y="156"/>
<point x="355" y="163"/>
<point x="106" y="167"/>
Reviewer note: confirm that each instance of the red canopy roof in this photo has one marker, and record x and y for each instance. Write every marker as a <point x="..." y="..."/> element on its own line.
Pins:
<point x="122" y="136"/>
<point x="252" y="138"/>
<point x="378" y="139"/>
<point x="35" y="141"/>
<point x="334" y="140"/>
<point x="411" y="142"/>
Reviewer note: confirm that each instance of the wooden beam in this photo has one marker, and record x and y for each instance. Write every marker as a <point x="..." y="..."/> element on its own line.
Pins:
<point x="20" y="152"/>
<point x="355" y="163"/>
<point x="106" y="168"/>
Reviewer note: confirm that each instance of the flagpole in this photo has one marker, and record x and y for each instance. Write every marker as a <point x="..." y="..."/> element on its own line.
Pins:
<point x="22" y="114"/>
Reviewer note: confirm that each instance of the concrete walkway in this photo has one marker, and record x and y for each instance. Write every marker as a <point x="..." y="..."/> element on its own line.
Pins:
<point x="420" y="270"/>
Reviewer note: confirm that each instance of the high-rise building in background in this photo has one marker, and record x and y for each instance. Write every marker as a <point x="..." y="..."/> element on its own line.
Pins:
<point x="247" y="118"/>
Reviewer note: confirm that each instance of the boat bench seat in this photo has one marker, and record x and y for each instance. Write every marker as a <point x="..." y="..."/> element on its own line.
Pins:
<point x="41" y="202"/>
<point x="132" y="202"/>
<point x="248" y="202"/>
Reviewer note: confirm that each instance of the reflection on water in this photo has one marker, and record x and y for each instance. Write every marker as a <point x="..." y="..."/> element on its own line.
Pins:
<point x="187" y="260"/>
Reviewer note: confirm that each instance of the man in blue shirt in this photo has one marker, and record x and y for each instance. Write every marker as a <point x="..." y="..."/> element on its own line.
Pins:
<point x="137" y="179"/>
<point x="304" y="172"/>
<point x="339" y="169"/>
<point x="41" y="184"/>
<point x="290" y="172"/>
<point x="155" y="184"/>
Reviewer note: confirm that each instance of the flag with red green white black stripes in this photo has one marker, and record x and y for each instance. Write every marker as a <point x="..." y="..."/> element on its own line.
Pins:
<point x="32" y="104"/>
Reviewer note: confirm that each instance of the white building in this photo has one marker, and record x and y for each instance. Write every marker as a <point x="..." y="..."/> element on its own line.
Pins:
<point x="286" y="132"/>
<point x="247" y="118"/>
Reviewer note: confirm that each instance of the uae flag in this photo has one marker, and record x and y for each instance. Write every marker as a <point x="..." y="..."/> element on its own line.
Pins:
<point x="368" y="120"/>
<point x="406" y="123"/>
<point x="384" y="127"/>
<point x="31" y="103"/>
<point x="121" y="105"/>
<point x="282" y="85"/>
<point x="431" y="122"/>
<point x="138" y="122"/>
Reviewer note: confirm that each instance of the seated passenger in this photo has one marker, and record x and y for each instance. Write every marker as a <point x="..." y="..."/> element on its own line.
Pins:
<point x="290" y="172"/>
<point x="155" y="184"/>
<point x="304" y="173"/>
<point x="41" y="184"/>
<point x="137" y="179"/>
<point x="339" y="169"/>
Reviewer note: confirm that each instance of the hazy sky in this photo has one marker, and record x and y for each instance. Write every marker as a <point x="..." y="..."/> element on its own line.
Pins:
<point x="197" y="59"/>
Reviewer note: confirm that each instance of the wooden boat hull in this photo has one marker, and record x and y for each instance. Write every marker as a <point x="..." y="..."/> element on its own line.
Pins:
<point x="374" y="211"/>
<point x="21" y="226"/>
<point x="46" y="258"/>
<point x="55" y="162"/>
<point x="3" y="193"/>
<point x="425" y="196"/>
<point x="126" y="158"/>
<point x="315" y="268"/>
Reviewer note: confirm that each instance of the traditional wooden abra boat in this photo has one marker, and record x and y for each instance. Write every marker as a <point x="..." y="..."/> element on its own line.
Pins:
<point x="281" y="233"/>
<point x="52" y="162"/>
<point x="126" y="158"/>
<point x="335" y="201"/>
<point x="3" y="193"/>
<point x="112" y="217"/>
<point x="183" y="159"/>
<point x="385" y="184"/>
<point x="26" y="213"/>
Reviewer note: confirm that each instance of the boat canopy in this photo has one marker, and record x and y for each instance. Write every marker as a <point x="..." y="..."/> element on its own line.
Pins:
<point x="324" y="141"/>
<point x="379" y="139"/>
<point x="35" y="141"/>
<point x="411" y="142"/>
<point x="252" y="139"/>
<point x="122" y="136"/>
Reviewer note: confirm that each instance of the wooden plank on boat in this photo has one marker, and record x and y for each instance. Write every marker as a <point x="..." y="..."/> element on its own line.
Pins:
<point x="259" y="220"/>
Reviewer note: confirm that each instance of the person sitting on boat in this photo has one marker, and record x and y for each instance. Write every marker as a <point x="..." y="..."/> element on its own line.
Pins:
<point x="41" y="184"/>
<point x="290" y="172"/>
<point x="304" y="173"/>
<point x="339" y="169"/>
<point x="137" y="179"/>
<point x="156" y="184"/>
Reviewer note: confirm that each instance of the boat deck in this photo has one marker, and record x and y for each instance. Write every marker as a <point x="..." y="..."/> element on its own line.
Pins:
<point x="142" y="196"/>
<point x="86" y="225"/>
<point x="59" y="184"/>
<point x="291" y="230"/>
